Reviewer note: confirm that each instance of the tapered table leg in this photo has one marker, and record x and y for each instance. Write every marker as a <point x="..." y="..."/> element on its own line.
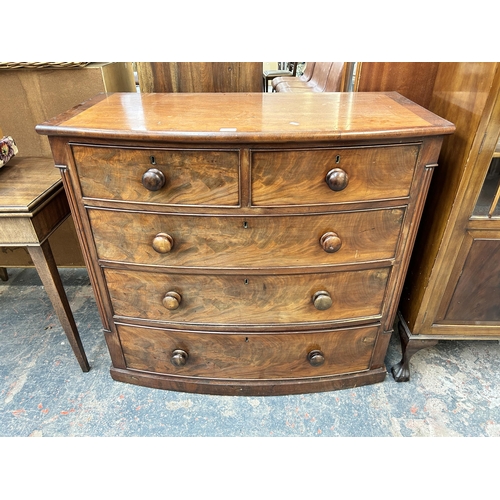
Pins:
<point x="3" y="274"/>
<point x="46" y="267"/>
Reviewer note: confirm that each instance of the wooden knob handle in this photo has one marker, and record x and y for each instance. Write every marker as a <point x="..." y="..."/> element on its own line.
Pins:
<point x="153" y="179"/>
<point x="330" y="242"/>
<point x="316" y="358"/>
<point x="322" y="300"/>
<point x="179" y="357"/>
<point x="172" y="300"/>
<point x="337" y="179"/>
<point x="163" y="243"/>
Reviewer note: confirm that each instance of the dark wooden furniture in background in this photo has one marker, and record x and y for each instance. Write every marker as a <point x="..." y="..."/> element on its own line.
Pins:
<point x="325" y="77"/>
<point x="199" y="76"/>
<point x="304" y="77"/>
<point x="259" y="250"/>
<point x="32" y="206"/>
<point x="452" y="289"/>
<point x="290" y="70"/>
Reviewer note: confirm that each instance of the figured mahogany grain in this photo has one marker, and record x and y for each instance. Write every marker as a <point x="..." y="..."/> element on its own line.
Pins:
<point x="247" y="207"/>
<point x="192" y="177"/>
<point x="374" y="173"/>
<point x="225" y="299"/>
<point x="232" y="242"/>
<point x="247" y="356"/>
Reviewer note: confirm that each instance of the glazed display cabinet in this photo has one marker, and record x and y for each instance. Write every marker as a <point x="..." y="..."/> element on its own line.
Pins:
<point x="452" y="290"/>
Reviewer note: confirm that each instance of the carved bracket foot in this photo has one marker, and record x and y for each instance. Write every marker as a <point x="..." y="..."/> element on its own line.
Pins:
<point x="410" y="344"/>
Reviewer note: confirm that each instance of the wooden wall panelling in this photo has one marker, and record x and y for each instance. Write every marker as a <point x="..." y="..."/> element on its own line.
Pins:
<point x="200" y="76"/>
<point x="414" y="80"/>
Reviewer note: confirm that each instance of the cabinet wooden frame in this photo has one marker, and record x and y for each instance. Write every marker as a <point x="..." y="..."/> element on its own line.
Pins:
<point x="469" y="95"/>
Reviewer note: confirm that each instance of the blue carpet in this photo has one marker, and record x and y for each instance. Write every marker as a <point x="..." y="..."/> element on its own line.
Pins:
<point x="454" y="390"/>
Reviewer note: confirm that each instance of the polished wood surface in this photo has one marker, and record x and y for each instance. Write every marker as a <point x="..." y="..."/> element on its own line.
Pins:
<point x="200" y="76"/>
<point x="278" y="176"/>
<point x="444" y="297"/>
<point x="191" y="177"/>
<point x="258" y="250"/>
<point x="267" y="118"/>
<point x="32" y="205"/>
<point x="256" y="356"/>
<point x="477" y="294"/>
<point x="216" y="241"/>
<point x="462" y="93"/>
<point x="27" y="183"/>
<point x="414" y="80"/>
<point x="215" y="299"/>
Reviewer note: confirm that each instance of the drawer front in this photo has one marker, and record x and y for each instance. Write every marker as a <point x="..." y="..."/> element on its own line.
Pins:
<point x="245" y="300"/>
<point x="222" y="241"/>
<point x="248" y="356"/>
<point x="357" y="174"/>
<point x="191" y="177"/>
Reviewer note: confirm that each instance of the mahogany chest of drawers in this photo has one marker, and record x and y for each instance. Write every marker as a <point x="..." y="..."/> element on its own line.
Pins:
<point x="247" y="244"/>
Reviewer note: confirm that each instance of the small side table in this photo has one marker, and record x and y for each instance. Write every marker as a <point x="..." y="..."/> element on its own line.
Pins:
<point x="32" y="205"/>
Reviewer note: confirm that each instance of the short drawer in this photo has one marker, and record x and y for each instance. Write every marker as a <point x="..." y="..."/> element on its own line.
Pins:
<point x="247" y="356"/>
<point x="329" y="176"/>
<point x="235" y="299"/>
<point x="172" y="177"/>
<point x="243" y="242"/>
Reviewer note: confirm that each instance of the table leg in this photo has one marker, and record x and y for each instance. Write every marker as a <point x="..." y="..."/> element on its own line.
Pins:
<point x="3" y="274"/>
<point x="46" y="267"/>
<point x="410" y="344"/>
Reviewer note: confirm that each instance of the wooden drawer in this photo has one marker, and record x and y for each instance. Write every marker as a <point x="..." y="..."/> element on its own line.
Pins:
<point x="247" y="356"/>
<point x="235" y="299"/>
<point x="192" y="177"/>
<point x="298" y="177"/>
<point x="243" y="242"/>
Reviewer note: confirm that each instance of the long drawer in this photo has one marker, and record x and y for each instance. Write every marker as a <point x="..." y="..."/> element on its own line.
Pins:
<point x="244" y="242"/>
<point x="173" y="177"/>
<point x="247" y="356"/>
<point x="329" y="176"/>
<point x="253" y="299"/>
